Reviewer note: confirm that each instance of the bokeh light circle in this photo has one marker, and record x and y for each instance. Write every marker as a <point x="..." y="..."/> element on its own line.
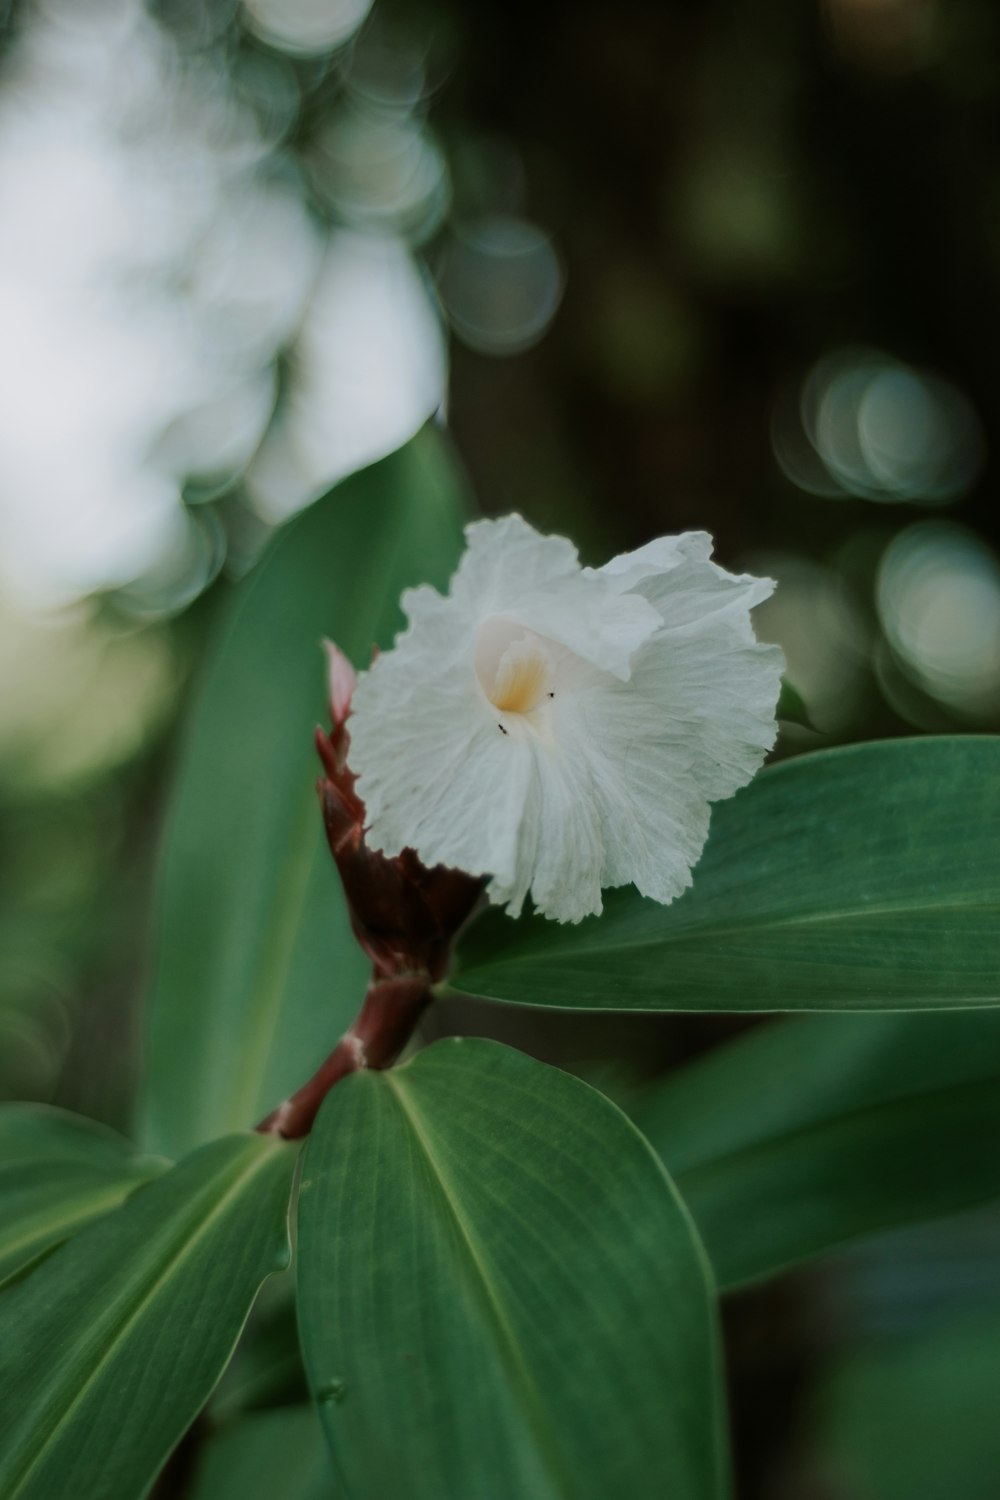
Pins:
<point x="938" y="598"/>
<point x="306" y="28"/>
<point x="865" y="424"/>
<point x="382" y="172"/>
<point x="501" y="283"/>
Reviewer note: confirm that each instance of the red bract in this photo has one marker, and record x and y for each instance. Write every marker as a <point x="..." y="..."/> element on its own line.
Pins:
<point x="406" y="918"/>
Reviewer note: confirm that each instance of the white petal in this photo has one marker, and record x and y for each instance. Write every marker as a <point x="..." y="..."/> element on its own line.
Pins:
<point x="436" y="772"/>
<point x="694" y="728"/>
<point x="719" y="692"/>
<point x="505" y="560"/>
<point x="512" y="570"/>
<point x="660" y="556"/>
<point x="677" y="576"/>
<point x="561" y="837"/>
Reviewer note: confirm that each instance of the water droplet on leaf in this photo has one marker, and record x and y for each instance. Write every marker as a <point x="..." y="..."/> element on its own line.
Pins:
<point x="334" y="1389"/>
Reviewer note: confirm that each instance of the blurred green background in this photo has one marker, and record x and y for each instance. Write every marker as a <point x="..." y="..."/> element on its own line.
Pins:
<point x="714" y="265"/>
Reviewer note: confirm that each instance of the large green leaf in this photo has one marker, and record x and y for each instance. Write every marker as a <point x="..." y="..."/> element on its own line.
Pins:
<point x="58" y="1171"/>
<point x="257" y="973"/>
<point x="859" y="878"/>
<point x="112" y="1345"/>
<point x="809" y="1132"/>
<point x="500" y="1294"/>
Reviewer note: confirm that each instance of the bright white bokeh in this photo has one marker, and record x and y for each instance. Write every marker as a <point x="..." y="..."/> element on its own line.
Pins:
<point x="865" y="424"/>
<point x="381" y="171"/>
<point x="369" y="368"/>
<point x="938" y="596"/>
<point x="148" y="272"/>
<point x="306" y="27"/>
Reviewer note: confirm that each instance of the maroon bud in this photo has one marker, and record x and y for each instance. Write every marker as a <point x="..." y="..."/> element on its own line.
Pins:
<point x="341" y="680"/>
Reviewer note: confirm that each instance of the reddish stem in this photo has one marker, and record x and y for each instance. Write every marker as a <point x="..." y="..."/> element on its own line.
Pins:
<point x="381" y="1029"/>
<point x="404" y="916"/>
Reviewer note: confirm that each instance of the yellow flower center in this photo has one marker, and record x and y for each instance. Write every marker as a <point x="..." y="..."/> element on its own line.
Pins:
<point x="521" y="679"/>
<point x="514" y="666"/>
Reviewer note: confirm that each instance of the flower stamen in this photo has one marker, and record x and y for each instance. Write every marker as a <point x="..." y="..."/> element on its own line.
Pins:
<point x="521" y="680"/>
<point x="514" y="666"/>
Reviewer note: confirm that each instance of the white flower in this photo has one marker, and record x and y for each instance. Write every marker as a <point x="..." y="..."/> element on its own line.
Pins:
<point x="560" y="728"/>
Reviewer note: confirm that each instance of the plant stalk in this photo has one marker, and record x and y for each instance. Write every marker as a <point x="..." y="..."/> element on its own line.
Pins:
<point x="381" y="1029"/>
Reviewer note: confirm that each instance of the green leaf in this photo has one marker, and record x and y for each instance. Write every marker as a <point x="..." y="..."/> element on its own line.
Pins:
<point x="257" y="973"/>
<point x="499" y="1291"/>
<point x="808" y="1133"/>
<point x="914" y="1417"/>
<point x="113" y="1344"/>
<point x="865" y="878"/>
<point x="271" y="1455"/>
<point x="58" y="1171"/>
<point x="791" y="707"/>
